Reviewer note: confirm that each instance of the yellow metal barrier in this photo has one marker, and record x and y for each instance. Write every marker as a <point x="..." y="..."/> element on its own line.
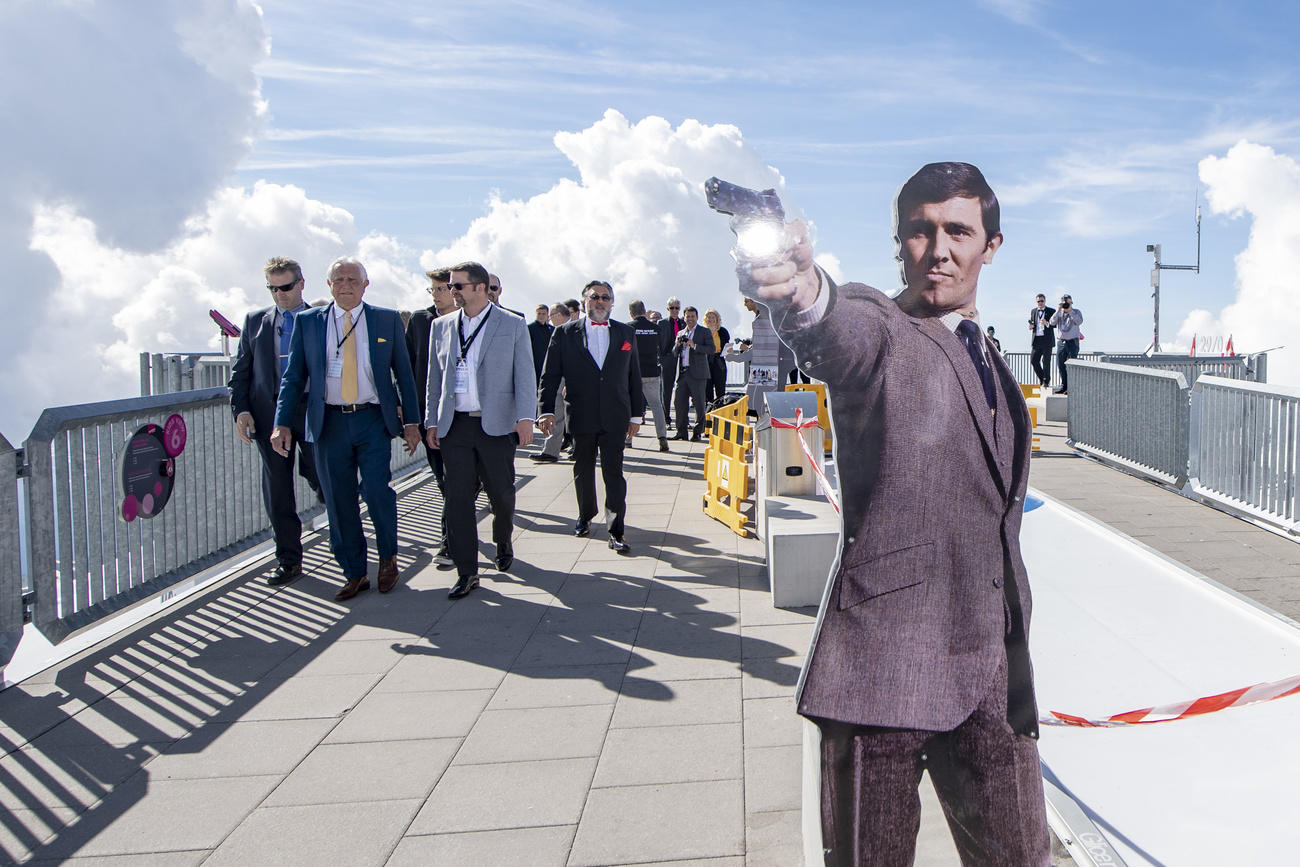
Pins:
<point x="726" y="465"/>
<point x="823" y="410"/>
<point x="1031" y="392"/>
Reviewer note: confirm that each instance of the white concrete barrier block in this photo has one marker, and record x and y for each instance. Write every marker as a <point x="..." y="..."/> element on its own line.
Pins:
<point x="802" y="536"/>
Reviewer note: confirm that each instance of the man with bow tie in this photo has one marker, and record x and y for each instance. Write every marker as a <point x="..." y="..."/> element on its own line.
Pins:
<point x="597" y="360"/>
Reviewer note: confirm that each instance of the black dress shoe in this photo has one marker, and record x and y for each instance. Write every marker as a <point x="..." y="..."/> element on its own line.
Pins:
<point x="505" y="557"/>
<point x="663" y="444"/>
<point x="697" y="438"/>
<point x="285" y="573"/>
<point x="543" y="458"/>
<point x="582" y="528"/>
<point x="616" y="543"/>
<point x="683" y="437"/>
<point x="463" y="586"/>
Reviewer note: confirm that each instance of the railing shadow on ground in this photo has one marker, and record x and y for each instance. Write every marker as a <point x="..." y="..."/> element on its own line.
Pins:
<point x="79" y="741"/>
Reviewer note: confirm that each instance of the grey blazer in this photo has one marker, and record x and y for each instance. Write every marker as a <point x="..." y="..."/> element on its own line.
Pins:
<point x="507" y="382"/>
<point x="929" y="591"/>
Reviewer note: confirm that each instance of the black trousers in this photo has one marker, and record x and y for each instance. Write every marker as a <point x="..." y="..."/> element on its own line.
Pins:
<point x="434" y="456"/>
<point x="689" y="390"/>
<point x="717" y="378"/>
<point x="278" y="497"/>
<point x="470" y="458"/>
<point x="1040" y="358"/>
<point x="987" y="778"/>
<point x="1069" y="349"/>
<point x="667" y="378"/>
<point x="610" y="446"/>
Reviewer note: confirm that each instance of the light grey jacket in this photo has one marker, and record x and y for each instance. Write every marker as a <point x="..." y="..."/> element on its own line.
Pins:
<point x="507" y="382"/>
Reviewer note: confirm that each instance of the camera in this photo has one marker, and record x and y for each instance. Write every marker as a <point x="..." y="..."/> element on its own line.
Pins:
<point x="757" y="217"/>
<point x="682" y="338"/>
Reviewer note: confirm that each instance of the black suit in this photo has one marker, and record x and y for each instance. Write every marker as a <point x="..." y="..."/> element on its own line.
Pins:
<point x="417" y="346"/>
<point x="692" y="379"/>
<point x="601" y="402"/>
<point x="668" y="330"/>
<point x="254" y="388"/>
<point x="540" y="334"/>
<point x="1041" y="356"/>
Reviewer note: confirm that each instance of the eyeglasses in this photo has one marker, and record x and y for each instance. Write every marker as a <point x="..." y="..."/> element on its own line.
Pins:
<point x="674" y="308"/>
<point x="595" y="297"/>
<point x="285" y="288"/>
<point x="461" y="287"/>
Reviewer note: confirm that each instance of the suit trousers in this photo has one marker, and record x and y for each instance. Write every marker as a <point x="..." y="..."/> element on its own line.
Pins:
<point x="1069" y="349"/>
<point x="348" y="443"/>
<point x="689" y="390"/>
<point x="1040" y="358"/>
<point x="987" y="778"/>
<point x="278" y="495"/>
<point x="434" y="456"/>
<point x="470" y="458"/>
<point x="654" y="402"/>
<point x="667" y="379"/>
<point x="551" y="445"/>
<point x="610" y="446"/>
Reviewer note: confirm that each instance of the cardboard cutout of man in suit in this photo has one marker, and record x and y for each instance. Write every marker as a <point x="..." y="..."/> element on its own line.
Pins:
<point x="254" y="387"/>
<point x="345" y="356"/>
<point x="482" y="397"/>
<point x="596" y="358"/>
<point x="920" y="659"/>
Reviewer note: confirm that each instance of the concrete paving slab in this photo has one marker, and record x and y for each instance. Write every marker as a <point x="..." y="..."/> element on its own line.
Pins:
<point x="691" y="820"/>
<point x="243" y="749"/>
<point x="559" y="686"/>
<point x="670" y="754"/>
<point x="498" y="796"/>
<point x="772" y="722"/>
<point x="389" y="716"/>
<point x="25" y="830"/>
<point x="422" y="669"/>
<point x="773" y="777"/>
<point x="152" y="859"/>
<point x="526" y="734"/>
<point x="355" y="833"/>
<point x="693" y="702"/>
<point x="538" y="847"/>
<point x="301" y="698"/>
<point x="773" y="839"/>
<point x="365" y="772"/>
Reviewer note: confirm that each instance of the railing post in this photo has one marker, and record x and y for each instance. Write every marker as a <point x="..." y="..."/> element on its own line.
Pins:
<point x="11" y="578"/>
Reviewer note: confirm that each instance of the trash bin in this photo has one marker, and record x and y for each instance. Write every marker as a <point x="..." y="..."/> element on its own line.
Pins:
<point x="782" y="466"/>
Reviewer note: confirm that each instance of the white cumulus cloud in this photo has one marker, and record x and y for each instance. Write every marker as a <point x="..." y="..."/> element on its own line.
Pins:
<point x="1255" y="181"/>
<point x="635" y="217"/>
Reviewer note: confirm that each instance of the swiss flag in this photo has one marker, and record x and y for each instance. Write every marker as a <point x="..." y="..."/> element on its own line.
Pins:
<point x="1229" y="348"/>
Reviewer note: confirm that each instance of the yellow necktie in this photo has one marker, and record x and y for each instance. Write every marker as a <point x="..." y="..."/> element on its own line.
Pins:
<point x="348" y="385"/>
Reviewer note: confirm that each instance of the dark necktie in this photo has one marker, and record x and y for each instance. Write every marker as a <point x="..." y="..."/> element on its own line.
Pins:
<point x="969" y="333"/>
<point x="286" y="335"/>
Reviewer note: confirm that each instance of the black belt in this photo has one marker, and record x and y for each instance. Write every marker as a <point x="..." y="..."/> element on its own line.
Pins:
<point x="351" y="407"/>
<point x="475" y="414"/>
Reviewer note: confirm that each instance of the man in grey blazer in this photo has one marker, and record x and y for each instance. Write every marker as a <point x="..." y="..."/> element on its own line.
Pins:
<point x="691" y="354"/>
<point x="920" y="659"/>
<point x="480" y="404"/>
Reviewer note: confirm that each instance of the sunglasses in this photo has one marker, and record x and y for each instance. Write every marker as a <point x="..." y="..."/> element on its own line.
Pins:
<point x="285" y="288"/>
<point x="595" y="297"/>
<point x="461" y="287"/>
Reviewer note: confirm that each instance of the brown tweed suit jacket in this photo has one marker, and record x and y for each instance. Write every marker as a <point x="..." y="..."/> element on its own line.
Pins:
<point x="929" y="590"/>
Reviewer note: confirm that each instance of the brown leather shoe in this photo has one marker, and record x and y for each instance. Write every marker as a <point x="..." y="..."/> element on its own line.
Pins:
<point x="387" y="574"/>
<point x="352" y="588"/>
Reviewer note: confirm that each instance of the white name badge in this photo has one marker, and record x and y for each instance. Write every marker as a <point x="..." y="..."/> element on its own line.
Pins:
<point x="462" y="377"/>
<point x="335" y="370"/>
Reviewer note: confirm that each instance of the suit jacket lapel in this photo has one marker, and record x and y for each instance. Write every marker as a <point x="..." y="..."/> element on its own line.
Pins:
<point x="971" y="387"/>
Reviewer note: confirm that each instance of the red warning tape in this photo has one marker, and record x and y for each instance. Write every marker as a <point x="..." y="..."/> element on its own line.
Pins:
<point x="799" y="426"/>
<point x="1260" y="692"/>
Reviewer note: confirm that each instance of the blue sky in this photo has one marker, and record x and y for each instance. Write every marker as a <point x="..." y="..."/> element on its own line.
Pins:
<point x="1088" y="119"/>
<point x="163" y="151"/>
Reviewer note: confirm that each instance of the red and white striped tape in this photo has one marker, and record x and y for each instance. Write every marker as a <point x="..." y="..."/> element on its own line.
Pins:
<point x="1260" y="692"/>
<point x="798" y="427"/>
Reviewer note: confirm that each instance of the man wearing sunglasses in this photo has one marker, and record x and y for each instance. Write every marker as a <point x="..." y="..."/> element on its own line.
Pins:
<point x="417" y="346"/>
<point x="480" y="403"/>
<point x="669" y="327"/>
<point x="596" y="359"/>
<point x="254" y="386"/>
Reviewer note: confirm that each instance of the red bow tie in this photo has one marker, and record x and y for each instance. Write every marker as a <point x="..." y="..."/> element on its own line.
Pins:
<point x="600" y="323"/>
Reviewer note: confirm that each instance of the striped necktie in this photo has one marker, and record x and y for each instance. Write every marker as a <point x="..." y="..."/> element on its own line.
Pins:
<point x="286" y="334"/>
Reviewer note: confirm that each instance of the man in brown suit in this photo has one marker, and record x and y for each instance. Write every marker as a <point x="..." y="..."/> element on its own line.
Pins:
<point x="920" y="659"/>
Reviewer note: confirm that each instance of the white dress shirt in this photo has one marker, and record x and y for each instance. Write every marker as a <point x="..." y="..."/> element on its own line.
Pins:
<point x="469" y="400"/>
<point x="597" y="341"/>
<point x="335" y="328"/>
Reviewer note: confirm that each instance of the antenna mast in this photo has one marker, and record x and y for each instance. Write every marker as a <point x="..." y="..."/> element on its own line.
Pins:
<point x="1159" y="266"/>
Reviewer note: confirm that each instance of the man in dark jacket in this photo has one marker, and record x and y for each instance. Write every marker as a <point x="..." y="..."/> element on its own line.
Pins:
<point x="669" y="327"/>
<point x="539" y="332"/>
<point x="648" y="349"/>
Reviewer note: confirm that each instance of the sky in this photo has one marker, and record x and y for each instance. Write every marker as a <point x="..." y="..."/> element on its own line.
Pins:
<point x="158" y="153"/>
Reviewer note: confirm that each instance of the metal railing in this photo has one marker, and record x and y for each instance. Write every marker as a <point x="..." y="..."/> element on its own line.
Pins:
<point x="186" y="371"/>
<point x="1248" y="367"/>
<point x="1019" y="362"/>
<point x="1131" y="416"/>
<point x="1245" y="440"/>
<point x="11" y="576"/>
<point x="87" y="561"/>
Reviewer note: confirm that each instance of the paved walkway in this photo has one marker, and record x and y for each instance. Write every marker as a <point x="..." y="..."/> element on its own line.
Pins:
<point x="584" y="709"/>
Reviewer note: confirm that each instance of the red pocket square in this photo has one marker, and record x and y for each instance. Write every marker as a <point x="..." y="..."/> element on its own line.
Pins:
<point x="626" y="346"/>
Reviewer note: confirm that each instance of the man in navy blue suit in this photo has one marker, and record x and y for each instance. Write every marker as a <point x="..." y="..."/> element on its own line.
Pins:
<point x="346" y="356"/>
<point x="254" y="387"/>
